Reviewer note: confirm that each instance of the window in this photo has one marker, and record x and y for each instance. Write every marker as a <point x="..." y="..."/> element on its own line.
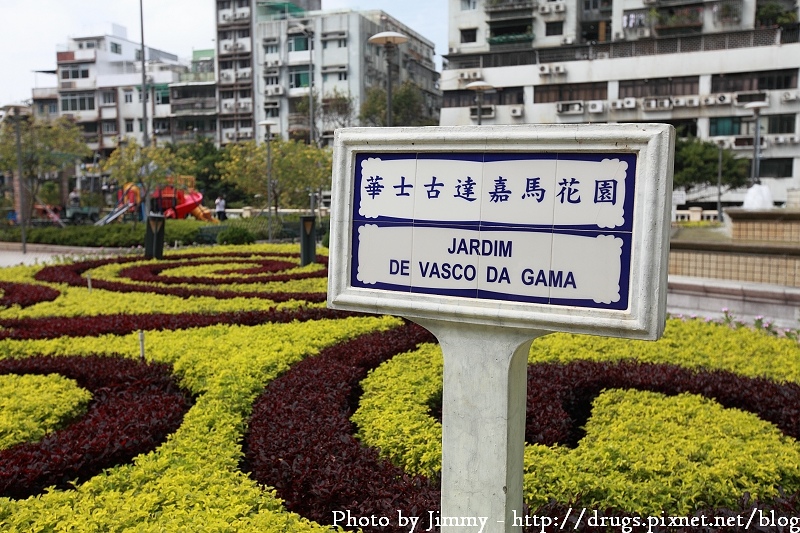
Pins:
<point x="343" y="76"/>
<point x="271" y="49"/>
<point x="676" y="86"/>
<point x="780" y="123"/>
<point x="554" y="28"/>
<point x="161" y="125"/>
<point x="754" y="81"/>
<point x="109" y="97"/>
<point x="245" y="93"/>
<point x="128" y="125"/>
<point x="139" y="54"/>
<point x="469" y="5"/>
<point x="298" y="43"/>
<point x="128" y="96"/>
<point x="74" y="72"/>
<point x="243" y="63"/>
<point x="77" y="102"/>
<point x="109" y="127"/>
<point x="243" y="34"/>
<point x="779" y="167"/>
<point x="162" y="96"/>
<point x="466" y="98"/>
<point x="226" y="65"/>
<point x="573" y="91"/>
<point x="224" y="4"/>
<point x="469" y="35"/>
<point x="272" y="79"/>
<point x="272" y="111"/>
<point x="298" y="77"/>
<point x="226" y="95"/>
<point x="242" y="3"/>
<point x="228" y="124"/>
<point x="246" y="123"/>
<point x="116" y="48"/>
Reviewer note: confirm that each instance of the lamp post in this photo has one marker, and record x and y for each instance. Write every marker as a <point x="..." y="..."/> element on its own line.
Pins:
<point x="310" y="39"/>
<point x="755" y="167"/>
<point x="479" y="87"/>
<point x="719" y="182"/>
<point x="389" y="40"/>
<point x="268" y="125"/>
<point x="145" y="140"/>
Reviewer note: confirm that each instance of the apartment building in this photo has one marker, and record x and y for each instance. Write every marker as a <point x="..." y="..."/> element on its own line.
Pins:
<point x="100" y="87"/>
<point x="694" y="64"/>
<point x="193" y="102"/>
<point x="272" y="55"/>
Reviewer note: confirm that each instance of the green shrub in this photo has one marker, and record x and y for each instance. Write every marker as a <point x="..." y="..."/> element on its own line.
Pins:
<point x="235" y="235"/>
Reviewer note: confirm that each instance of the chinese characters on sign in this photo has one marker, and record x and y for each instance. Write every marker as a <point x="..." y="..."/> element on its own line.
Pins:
<point x="547" y="228"/>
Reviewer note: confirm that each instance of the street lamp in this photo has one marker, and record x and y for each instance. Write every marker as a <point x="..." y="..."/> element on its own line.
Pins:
<point x="268" y="124"/>
<point x="755" y="167"/>
<point x="310" y="38"/>
<point x="389" y="40"/>
<point x="479" y="87"/>
<point x="145" y="140"/>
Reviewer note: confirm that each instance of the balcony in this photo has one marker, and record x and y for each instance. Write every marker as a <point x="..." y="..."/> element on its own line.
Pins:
<point x="512" y="38"/>
<point x="494" y="6"/>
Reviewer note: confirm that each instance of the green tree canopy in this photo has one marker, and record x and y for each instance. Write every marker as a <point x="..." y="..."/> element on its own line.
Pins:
<point x="148" y="167"/>
<point x="697" y="163"/>
<point x="408" y="107"/>
<point x="297" y="169"/>
<point x="47" y="148"/>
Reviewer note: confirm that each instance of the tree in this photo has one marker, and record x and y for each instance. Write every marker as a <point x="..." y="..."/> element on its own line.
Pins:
<point x="148" y="167"/>
<point x="408" y="107"/>
<point x="697" y="161"/>
<point x="297" y="168"/>
<point x="205" y="156"/>
<point x="47" y="147"/>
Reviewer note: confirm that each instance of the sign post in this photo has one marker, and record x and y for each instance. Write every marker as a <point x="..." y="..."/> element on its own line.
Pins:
<point x="490" y="238"/>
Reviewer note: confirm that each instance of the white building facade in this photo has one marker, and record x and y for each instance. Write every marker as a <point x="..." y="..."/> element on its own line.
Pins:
<point x="689" y="63"/>
<point x="273" y="54"/>
<point x="100" y="87"/>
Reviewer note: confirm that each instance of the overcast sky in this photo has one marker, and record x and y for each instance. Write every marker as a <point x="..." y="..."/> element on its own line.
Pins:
<point x="34" y="30"/>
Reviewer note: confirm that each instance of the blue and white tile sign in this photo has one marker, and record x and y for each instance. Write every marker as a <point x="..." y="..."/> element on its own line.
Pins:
<point x="553" y="229"/>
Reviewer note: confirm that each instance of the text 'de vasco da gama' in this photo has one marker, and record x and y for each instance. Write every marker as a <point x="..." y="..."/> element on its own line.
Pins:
<point x="551" y="228"/>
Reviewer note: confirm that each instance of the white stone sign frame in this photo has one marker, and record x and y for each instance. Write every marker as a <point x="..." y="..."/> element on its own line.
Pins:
<point x="650" y="145"/>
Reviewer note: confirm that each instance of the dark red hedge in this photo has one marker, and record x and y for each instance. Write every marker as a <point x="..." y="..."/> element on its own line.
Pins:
<point x="72" y="274"/>
<point x="25" y="294"/>
<point x="122" y="324"/>
<point x="134" y="407"/>
<point x="300" y="437"/>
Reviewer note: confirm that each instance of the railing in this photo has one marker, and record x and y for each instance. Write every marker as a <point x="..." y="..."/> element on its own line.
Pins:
<point x="618" y="49"/>
<point x="505" y="5"/>
<point x="695" y="214"/>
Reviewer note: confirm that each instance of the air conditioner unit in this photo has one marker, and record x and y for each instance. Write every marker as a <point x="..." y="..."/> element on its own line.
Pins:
<point x="559" y="7"/>
<point x="276" y="63"/>
<point x="227" y="105"/>
<point x="559" y="69"/>
<point x="779" y="139"/>
<point x="475" y="75"/>
<point x="789" y="96"/>
<point x="277" y="90"/>
<point x="463" y="75"/>
<point x="544" y="9"/>
<point x="574" y="107"/>
<point x="679" y="102"/>
<point x="616" y="104"/>
<point x="794" y="139"/>
<point x="226" y="47"/>
<point x="544" y="70"/>
<point x="643" y="32"/>
<point x="710" y="100"/>
<point x="629" y="103"/>
<point x="724" y="98"/>
<point x="664" y="103"/>
<point x="596" y="106"/>
<point x="225" y="76"/>
<point x="650" y="103"/>
<point x="453" y="50"/>
<point x="692" y="101"/>
<point x="517" y="111"/>
<point x="601" y="55"/>
<point x="567" y="40"/>
<point x="229" y="135"/>
<point x="226" y="17"/>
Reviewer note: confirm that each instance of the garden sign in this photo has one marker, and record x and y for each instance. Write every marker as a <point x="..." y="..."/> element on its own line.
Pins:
<point x="491" y="236"/>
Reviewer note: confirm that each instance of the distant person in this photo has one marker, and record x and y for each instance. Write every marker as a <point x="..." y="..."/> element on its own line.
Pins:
<point x="219" y="207"/>
<point x="75" y="198"/>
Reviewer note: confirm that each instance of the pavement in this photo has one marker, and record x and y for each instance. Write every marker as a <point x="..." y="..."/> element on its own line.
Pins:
<point x="11" y="253"/>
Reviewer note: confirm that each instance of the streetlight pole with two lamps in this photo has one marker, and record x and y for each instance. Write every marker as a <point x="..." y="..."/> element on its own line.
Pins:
<point x="389" y="40"/>
<point x="755" y="168"/>
<point x="268" y="139"/>
<point x="479" y="87"/>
